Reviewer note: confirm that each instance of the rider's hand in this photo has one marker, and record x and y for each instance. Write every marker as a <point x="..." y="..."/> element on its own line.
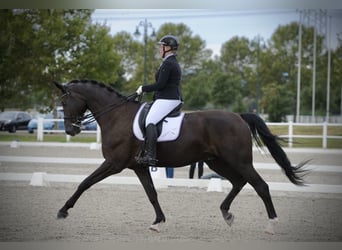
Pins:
<point x="139" y="90"/>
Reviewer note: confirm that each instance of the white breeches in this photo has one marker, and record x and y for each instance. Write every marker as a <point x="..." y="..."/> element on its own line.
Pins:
<point x="160" y="108"/>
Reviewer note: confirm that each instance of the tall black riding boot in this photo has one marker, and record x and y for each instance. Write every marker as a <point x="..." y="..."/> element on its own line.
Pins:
<point x="149" y="159"/>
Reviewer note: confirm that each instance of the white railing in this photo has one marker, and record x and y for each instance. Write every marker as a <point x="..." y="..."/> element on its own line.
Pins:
<point x="41" y="130"/>
<point x="290" y="135"/>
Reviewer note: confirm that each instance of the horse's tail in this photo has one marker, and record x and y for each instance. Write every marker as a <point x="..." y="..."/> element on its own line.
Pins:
<point x="259" y="130"/>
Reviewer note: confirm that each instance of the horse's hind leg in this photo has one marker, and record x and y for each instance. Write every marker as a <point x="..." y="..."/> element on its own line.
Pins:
<point x="237" y="182"/>
<point x="261" y="187"/>
<point x="99" y="174"/>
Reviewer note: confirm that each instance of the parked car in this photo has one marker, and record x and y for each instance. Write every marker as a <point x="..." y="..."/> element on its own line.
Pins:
<point x="60" y="115"/>
<point x="14" y="120"/>
<point x="33" y="124"/>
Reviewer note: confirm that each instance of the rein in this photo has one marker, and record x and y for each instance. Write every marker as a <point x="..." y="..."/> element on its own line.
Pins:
<point x="92" y="116"/>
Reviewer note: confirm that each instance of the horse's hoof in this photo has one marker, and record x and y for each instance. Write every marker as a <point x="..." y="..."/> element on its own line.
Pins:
<point x="229" y="219"/>
<point x="155" y="227"/>
<point x="62" y="215"/>
<point x="270" y="226"/>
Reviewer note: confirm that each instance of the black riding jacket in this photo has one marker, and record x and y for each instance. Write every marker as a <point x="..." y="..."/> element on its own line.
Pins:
<point x="168" y="77"/>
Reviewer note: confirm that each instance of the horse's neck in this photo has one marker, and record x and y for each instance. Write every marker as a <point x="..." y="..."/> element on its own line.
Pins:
<point x="108" y="108"/>
<point x="97" y="106"/>
<point x="112" y="113"/>
<point x="99" y="100"/>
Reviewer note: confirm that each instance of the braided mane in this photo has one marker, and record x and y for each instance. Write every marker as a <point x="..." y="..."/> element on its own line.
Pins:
<point x="99" y="84"/>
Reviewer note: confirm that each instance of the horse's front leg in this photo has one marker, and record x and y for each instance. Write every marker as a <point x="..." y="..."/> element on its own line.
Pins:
<point x="106" y="169"/>
<point x="145" y="178"/>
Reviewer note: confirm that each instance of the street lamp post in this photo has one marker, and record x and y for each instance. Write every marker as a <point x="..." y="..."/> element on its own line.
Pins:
<point x="137" y="33"/>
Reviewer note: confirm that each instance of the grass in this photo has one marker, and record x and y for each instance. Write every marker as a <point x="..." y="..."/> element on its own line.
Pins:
<point x="26" y="137"/>
<point x="278" y="130"/>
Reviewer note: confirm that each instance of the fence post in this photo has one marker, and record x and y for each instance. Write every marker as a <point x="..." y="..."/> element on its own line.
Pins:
<point x="40" y="129"/>
<point x="290" y="134"/>
<point x="325" y="133"/>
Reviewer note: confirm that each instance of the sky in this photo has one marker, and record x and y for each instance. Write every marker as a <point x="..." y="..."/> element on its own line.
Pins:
<point x="213" y="26"/>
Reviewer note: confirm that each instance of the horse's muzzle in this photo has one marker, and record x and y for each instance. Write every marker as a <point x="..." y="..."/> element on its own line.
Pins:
<point x="72" y="130"/>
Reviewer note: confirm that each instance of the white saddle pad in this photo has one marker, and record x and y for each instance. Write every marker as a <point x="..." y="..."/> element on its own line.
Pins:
<point x="170" y="129"/>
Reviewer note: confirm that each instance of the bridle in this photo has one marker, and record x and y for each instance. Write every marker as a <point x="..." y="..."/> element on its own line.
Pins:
<point x="94" y="115"/>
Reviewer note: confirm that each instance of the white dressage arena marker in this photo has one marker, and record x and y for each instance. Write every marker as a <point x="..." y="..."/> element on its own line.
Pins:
<point x="14" y="144"/>
<point x="215" y="185"/>
<point x="39" y="179"/>
<point x="158" y="175"/>
<point x="157" y="172"/>
<point x="94" y="146"/>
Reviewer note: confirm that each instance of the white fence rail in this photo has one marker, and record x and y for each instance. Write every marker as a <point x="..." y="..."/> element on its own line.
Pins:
<point x="324" y="136"/>
<point x="290" y="135"/>
<point x="41" y="130"/>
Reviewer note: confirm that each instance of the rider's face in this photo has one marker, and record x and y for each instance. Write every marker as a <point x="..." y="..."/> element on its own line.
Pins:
<point x="163" y="48"/>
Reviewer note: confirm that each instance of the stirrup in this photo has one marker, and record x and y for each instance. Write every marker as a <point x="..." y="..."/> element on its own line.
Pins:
<point x="146" y="161"/>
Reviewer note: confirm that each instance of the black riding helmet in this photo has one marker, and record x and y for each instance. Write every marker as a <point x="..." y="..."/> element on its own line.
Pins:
<point x="171" y="41"/>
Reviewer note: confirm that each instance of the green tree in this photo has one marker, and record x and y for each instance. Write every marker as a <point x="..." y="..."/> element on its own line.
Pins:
<point x="226" y="91"/>
<point x="281" y="57"/>
<point x="96" y="58"/>
<point x="239" y="65"/>
<point x="197" y="90"/>
<point x="39" y="46"/>
<point x="277" y="100"/>
<point x="136" y="55"/>
<point x="336" y="76"/>
<point x="236" y="55"/>
<point x="127" y="48"/>
<point x="35" y="46"/>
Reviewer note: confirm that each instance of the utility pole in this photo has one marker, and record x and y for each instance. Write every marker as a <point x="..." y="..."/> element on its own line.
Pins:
<point x="317" y="19"/>
<point x="299" y="66"/>
<point x="328" y="40"/>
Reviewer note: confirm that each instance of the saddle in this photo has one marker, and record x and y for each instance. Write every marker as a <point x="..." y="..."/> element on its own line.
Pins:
<point x="143" y="114"/>
<point x="167" y="129"/>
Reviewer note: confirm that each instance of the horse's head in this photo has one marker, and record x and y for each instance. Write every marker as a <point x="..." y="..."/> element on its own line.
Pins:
<point x="74" y="107"/>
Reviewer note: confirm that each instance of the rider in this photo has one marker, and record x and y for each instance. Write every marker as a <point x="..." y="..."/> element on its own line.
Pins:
<point x="167" y="95"/>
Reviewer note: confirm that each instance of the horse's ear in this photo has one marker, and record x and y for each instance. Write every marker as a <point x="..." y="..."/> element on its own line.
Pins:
<point x="59" y="86"/>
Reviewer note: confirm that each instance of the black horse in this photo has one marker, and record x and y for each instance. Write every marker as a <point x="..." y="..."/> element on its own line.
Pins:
<point x="221" y="139"/>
